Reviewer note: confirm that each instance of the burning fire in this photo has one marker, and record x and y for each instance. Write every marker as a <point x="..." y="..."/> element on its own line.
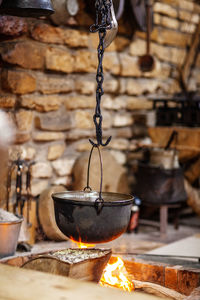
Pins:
<point x="82" y="245"/>
<point x="114" y="275"/>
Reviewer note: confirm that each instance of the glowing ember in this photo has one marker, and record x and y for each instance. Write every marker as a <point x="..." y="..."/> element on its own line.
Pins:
<point x="81" y="245"/>
<point x="115" y="275"/>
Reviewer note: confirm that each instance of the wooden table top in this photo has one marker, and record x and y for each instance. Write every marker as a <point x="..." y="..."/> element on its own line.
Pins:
<point x="21" y="284"/>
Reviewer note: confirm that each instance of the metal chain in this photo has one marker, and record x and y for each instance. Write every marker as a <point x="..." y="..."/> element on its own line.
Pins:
<point x="102" y="24"/>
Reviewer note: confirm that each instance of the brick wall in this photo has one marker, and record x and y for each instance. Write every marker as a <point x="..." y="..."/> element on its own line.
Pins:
<point x="48" y="87"/>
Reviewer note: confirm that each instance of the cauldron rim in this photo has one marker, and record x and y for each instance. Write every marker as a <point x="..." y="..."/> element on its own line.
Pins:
<point x="115" y="199"/>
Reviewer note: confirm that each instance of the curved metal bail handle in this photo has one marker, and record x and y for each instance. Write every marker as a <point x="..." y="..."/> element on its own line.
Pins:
<point x="99" y="201"/>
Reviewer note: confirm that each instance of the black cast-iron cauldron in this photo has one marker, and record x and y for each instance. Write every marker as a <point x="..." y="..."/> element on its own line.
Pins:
<point x="79" y="219"/>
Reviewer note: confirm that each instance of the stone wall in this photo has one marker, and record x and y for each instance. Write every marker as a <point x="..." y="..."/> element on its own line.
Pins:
<point x="48" y="86"/>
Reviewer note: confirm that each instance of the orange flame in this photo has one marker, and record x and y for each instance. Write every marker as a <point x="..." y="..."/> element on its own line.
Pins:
<point x="115" y="275"/>
<point x="81" y="245"/>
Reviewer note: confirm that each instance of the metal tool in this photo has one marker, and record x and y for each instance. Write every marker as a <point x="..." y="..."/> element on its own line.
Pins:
<point x="26" y="8"/>
<point x="111" y="34"/>
<point x="146" y="62"/>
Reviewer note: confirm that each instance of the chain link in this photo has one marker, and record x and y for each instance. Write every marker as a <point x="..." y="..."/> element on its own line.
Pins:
<point x="102" y="24"/>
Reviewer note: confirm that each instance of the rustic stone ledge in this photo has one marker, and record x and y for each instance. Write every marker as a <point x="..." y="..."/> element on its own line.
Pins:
<point x="52" y="84"/>
<point x="17" y="82"/>
<point x="26" y="54"/>
<point x="42" y="103"/>
<point x="47" y="136"/>
<point x="24" y="119"/>
<point x="58" y="59"/>
<point x="54" y="121"/>
<point x="78" y="102"/>
<point x="7" y="100"/>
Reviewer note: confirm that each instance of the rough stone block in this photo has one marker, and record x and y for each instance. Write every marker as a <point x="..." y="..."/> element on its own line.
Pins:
<point x="111" y="85"/>
<point x="18" y="82"/>
<point x="83" y="119"/>
<point x="52" y="84"/>
<point x="187" y="27"/>
<point x="48" y="136"/>
<point x="134" y="103"/>
<point x="122" y="120"/>
<point x="140" y="86"/>
<point x="63" y="166"/>
<point x="41" y="170"/>
<point x="38" y="186"/>
<point x="54" y="121"/>
<point x="123" y="132"/>
<point x="86" y="87"/>
<point x="129" y="66"/>
<point x="85" y="61"/>
<point x="168" y="37"/>
<point x="58" y="59"/>
<point x="13" y="26"/>
<point x="119" y="156"/>
<point x="47" y="34"/>
<point x="165" y="9"/>
<point x="7" y="101"/>
<point x="26" y="54"/>
<point x="42" y="103"/>
<point x="75" y="38"/>
<point x="22" y="137"/>
<point x="119" y="144"/>
<point x="64" y="180"/>
<point x="166" y="21"/>
<point x="121" y="43"/>
<point x="77" y="102"/>
<point x="113" y="103"/>
<point x="55" y="151"/>
<point x="137" y="47"/>
<point x="111" y="63"/>
<point x="56" y="35"/>
<point x="24" y="120"/>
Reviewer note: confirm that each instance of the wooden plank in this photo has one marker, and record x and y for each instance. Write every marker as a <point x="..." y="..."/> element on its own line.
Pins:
<point x="20" y="284"/>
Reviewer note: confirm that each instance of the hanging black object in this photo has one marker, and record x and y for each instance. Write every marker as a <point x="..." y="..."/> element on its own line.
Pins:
<point x="27" y="8"/>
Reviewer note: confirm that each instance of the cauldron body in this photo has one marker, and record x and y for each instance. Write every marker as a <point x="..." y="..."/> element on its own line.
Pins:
<point x="78" y="218"/>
